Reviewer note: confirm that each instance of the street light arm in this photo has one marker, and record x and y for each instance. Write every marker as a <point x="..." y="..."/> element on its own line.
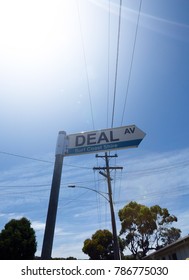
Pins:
<point x="100" y="193"/>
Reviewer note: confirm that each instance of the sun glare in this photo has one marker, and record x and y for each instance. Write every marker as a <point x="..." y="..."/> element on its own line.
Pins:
<point x="24" y="25"/>
<point x="38" y="44"/>
<point x="31" y="29"/>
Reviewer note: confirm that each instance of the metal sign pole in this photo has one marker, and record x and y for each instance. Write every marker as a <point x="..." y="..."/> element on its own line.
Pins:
<point x="53" y="201"/>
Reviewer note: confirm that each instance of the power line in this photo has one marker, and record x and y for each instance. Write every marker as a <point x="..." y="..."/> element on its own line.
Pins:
<point x="40" y="160"/>
<point x="175" y="191"/>
<point x="86" y="68"/>
<point x="132" y="59"/>
<point x="117" y="58"/>
<point x="25" y="157"/>
<point x="140" y="171"/>
<point x="24" y="186"/>
<point x="158" y="169"/>
<point x="108" y="77"/>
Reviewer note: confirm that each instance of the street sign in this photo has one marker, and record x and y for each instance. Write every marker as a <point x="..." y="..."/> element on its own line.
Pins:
<point x="103" y="140"/>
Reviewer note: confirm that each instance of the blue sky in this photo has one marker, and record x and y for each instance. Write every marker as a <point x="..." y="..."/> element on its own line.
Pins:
<point x="57" y="72"/>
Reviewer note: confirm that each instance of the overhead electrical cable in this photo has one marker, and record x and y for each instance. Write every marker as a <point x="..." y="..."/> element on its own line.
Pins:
<point x="183" y="163"/>
<point x="117" y="60"/>
<point x="177" y="190"/>
<point x="25" y="157"/>
<point x="131" y="65"/>
<point x="86" y="68"/>
<point x="158" y="169"/>
<point x="41" y="160"/>
<point x="98" y="202"/>
<point x="108" y="76"/>
<point x="24" y="186"/>
<point x="65" y="185"/>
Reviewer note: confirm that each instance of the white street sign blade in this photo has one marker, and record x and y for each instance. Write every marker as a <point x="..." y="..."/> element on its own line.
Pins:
<point x="104" y="140"/>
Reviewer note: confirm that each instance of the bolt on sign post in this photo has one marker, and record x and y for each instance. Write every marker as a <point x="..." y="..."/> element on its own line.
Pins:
<point x="77" y="144"/>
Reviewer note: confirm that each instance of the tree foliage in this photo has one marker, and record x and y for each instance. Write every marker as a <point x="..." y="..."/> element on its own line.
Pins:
<point x="17" y="240"/>
<point x="100" y="246"/>
<point x="146" y="228"/>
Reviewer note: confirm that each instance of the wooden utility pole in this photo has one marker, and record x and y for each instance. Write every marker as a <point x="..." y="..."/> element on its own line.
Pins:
<point x="107" y="175"/>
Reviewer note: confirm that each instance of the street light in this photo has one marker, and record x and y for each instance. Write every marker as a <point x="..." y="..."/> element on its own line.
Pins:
<point x="100" y="193"/>
<point x="115" y="238"/>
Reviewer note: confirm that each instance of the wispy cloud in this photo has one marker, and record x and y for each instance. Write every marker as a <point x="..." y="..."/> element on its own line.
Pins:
<point x="38" y="226"/>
